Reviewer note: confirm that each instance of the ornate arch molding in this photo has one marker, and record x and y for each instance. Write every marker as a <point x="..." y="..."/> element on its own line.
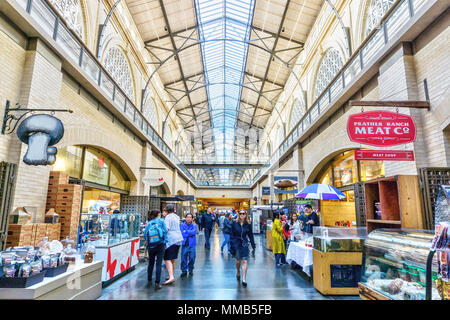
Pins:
<point x="73" y="12"/>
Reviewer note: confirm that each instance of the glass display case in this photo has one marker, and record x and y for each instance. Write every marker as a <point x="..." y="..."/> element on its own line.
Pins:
<point x="332" y="239"/>
<point x="395" y="264"/>
<point x="104" y="230"/>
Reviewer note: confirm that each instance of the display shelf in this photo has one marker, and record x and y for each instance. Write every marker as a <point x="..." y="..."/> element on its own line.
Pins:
<point x="399" y="198"/>
<point x="367" y="293"/>
<point x="384" y="221"/>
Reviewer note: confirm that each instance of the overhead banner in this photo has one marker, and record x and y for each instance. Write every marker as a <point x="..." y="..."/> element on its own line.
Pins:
<point x="266" y="191"/>
<point x="381" y="128"/>
<point x="284" y="185"/>
<point x="385" y="155"/>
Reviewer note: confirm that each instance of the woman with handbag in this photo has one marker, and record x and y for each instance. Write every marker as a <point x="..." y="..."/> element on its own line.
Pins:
<point x="241" y="233"/>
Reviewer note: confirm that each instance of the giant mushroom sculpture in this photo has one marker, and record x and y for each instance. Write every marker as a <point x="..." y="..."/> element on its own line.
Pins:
<point x="40" y="132"/>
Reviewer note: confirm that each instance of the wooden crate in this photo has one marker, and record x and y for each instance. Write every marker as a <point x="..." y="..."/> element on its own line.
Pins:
<point x="53" y="231"/>
<point x="71" y="190"/>
<point x="19" y="235"/>
<point x="322" y="273"/>
<point x="332" y="211"/>
<point x="367" y="293"/>
<point x="57" y="178"/>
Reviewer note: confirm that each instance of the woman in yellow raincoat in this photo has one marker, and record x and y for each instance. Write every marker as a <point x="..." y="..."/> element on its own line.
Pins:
<point x="278" y="247"/>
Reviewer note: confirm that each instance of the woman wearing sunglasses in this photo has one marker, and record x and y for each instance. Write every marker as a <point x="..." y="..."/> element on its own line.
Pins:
<point x="241" y="232"/>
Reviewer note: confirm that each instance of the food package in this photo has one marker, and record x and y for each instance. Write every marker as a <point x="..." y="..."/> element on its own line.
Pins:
<point x="443" y="288"/>
<point x="20" y="216"/>
<point x="51" y="216"/>
<point x="395" y="286"/>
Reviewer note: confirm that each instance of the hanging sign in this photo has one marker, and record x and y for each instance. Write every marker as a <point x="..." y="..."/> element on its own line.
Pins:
<point x="266" y="191"/>
<point x="386" y="155"/>
<point x="381" y="128"/>
<point x="153" y="180"/>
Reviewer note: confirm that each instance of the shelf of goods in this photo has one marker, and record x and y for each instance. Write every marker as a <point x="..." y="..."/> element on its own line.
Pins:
<point x="337" y="259"/>
<point x="269" y="235"/>
<point x="116" y="239"/>
<point x="393" y="202"/>
<point x="395" y="265"/>
<point x="81" y="281"/>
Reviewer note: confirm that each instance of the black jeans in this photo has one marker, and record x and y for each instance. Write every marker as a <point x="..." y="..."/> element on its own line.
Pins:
<point x="158" y="254"/>
<point x="207" y="236"/>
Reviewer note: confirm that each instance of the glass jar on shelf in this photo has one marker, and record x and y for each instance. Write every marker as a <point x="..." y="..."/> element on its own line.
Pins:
<point x="68" y="241"/>
<point x="89" y="252"/>
<point x="44" y="246"/>
<point x="70" y="254"/>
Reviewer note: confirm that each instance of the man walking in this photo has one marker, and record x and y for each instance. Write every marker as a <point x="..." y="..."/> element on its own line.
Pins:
<point x="207" y="226"/>
<point x="189" y="232"/>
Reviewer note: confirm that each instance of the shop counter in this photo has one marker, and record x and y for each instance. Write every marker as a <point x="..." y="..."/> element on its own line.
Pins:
<point x="81" y="281"/>
<point x="302" y="255"/>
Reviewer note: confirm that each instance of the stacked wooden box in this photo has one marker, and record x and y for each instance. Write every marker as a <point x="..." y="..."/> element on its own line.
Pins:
<point x="68" y="206"/>
<point x="56" y="179"/>
<point x="20" y="235"/>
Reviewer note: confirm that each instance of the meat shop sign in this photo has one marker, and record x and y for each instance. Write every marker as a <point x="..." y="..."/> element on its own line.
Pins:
<point x="381" y="128"/>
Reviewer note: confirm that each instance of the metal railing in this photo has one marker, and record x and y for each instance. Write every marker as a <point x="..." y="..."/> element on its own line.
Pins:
<point x="54" y="25"/>
<point x="391" y="24"/>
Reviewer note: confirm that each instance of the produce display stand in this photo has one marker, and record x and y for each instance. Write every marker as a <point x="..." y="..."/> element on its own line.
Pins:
<point x="82" y="281"/>
<point x="322" y="262"/>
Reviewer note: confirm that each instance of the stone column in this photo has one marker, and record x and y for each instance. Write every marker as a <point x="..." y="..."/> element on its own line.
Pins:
<point x="397" y="81"/>
<point x="258" y="194"/>
<point x="298" y="163"/>
<point x="40" y="89"/>
<point x="146" y="161"/>
<point x="174" y="181"/>
<point x="272" y="189"/>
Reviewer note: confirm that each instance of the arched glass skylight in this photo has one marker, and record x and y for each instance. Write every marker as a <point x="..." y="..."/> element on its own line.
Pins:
<point x="228" y="24"/>
<point x="71" y="11"/>
<point x="117" y="65"/>
<point x="375" y="11"/>
<point x="331" y="64"/>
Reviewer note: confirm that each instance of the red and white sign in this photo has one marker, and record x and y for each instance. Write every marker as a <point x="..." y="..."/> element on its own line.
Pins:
<point x="389" y="155"/>
<point x="381" y="128"/>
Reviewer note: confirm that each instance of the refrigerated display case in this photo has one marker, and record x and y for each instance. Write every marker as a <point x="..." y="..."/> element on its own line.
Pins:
<point x="337" y="259"/>
<point x="116" y="239"/>
<point x="395" y="265"/>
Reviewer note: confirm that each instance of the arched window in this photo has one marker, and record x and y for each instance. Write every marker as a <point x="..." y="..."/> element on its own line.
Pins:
<point x="71" y="11"/>
<point x="150" y="113"/>
<point x="331" y="64"/>
<point x="375" y="11"/>
<point x="117" y="65"/>
<point x="298" y="110"/>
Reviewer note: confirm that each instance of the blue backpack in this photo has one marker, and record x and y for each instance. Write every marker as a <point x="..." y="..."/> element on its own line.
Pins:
<point x="154" y="234"/>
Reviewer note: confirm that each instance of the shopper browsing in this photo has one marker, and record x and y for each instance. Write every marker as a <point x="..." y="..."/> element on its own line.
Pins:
<point x="294" y="226"/>
<point x="174" y="240"/>
<point x="207" y="226"/>
<point x="241" y="233"/>
<point x="310" y="219"/>
<point x="155" y="235"/>
<point x="189" y="232"/>
<point x="278" y="247"/>
<point x="226" y="229"/>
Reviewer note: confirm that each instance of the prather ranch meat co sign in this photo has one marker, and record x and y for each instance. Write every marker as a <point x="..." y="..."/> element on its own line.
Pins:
<point x="381" y="128"/>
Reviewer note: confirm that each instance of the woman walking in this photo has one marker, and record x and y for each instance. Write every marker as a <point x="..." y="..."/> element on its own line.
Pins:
<point x="241" y="232"/>
<point x="174" y="240"/>
<point x="226" y="229"/>
<point x="278" y="248"/>
<point x="156" y="236"/>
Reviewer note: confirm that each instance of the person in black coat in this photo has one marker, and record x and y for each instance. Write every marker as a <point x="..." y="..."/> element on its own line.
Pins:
<point x="241" y="233"/>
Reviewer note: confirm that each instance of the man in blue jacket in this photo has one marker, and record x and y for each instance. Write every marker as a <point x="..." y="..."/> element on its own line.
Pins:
<point x="189" y="232"/>
<point x="207" y="225"/>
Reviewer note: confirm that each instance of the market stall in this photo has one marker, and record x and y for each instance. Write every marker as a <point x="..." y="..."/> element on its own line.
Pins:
<point x="337" y="259"/>
<point x="50" y="270"/>
<point x="116" y="239"/>
<point x="301" y="254"/>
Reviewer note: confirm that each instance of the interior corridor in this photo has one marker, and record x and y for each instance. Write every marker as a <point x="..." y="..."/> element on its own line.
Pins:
<point x="215" y="278"/>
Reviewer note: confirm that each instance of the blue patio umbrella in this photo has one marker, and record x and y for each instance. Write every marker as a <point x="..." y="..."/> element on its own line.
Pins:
<point x="320" y="192"/>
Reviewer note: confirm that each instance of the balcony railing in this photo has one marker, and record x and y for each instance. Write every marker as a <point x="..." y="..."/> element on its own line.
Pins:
<point x="391" y="24"/>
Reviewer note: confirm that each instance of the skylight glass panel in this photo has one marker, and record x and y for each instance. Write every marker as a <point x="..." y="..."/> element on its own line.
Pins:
<point x="224" y="30"/>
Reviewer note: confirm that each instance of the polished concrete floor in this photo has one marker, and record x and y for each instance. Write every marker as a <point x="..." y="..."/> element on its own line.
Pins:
<point x="215" y="278"/>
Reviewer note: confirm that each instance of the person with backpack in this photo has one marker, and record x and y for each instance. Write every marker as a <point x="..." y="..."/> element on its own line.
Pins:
<point x="156" y="236"/>
<point x="189" y="232"/>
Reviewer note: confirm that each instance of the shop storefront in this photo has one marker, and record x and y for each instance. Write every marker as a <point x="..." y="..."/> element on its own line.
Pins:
<point x="343" y="172"/>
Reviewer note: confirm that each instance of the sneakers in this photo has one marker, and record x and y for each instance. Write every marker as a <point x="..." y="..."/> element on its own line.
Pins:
<point x="183" y="274"/>
<point x="157" y="286"/>
<point x="191" y="273"/>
